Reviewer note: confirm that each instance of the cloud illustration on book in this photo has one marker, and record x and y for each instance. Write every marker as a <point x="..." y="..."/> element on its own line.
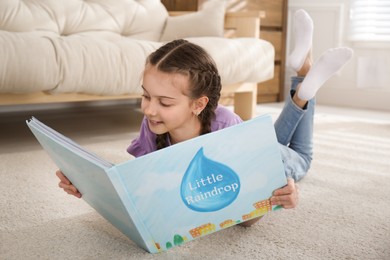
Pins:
<point x="208" y="185"/>
<point x="157" y="182"/>
<point x="255" y="181"/>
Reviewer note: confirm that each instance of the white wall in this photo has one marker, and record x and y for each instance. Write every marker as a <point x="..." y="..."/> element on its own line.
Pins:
<point x="365" y="81"/>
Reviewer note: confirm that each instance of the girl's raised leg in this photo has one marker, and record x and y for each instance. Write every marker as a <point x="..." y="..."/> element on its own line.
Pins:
<point x="294" y="126"/>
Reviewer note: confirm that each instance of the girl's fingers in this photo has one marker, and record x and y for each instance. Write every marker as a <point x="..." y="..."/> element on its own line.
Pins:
<point x="286" y="201"/>
<point x="66" y="185"/>
<point x="72" y="191"/>
<point x="288" y="189"/>
<point x="62" y="177"/>
<point x="287" y="197"/>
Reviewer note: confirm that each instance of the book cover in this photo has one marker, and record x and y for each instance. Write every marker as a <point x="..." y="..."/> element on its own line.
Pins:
<point x="182" y="192"/>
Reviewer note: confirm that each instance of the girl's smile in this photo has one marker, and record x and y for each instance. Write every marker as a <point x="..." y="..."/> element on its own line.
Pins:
<point x="154" y="124"/>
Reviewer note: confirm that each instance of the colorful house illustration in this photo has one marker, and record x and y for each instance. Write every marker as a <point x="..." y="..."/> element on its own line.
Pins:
<point x="227" y="223"/>
<point x="261" y="207"/>
<point x="202" y="230"/>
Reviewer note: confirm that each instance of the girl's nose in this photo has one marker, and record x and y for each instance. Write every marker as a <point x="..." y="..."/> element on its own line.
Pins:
<point x="150" y="108"/>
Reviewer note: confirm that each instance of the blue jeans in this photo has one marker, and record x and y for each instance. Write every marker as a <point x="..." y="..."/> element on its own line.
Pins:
<point x="294" y="131"/>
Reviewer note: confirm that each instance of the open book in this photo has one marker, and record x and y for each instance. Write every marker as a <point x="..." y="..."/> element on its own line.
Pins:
<point x="179" y="193"/>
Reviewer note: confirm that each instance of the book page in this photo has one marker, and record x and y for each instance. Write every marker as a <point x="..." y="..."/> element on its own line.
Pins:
<point x="88" y="173"/>
<point x="68" y="143"/>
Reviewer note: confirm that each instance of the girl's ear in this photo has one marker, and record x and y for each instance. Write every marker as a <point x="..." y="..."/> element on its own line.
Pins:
<point x="200" y="104"/>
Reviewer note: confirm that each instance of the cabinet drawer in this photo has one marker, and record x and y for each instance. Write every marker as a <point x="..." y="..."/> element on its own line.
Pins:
<point x="271" y="86"/>
<point x="274" y="37"/>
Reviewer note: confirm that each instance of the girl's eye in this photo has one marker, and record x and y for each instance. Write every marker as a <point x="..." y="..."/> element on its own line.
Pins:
<point x="165" y="105"/>
<point x="145" y="97"/>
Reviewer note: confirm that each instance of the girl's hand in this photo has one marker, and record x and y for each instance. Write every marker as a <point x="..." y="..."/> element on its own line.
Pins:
<point x="287" y="197"/>
<point x="66" y="185"/>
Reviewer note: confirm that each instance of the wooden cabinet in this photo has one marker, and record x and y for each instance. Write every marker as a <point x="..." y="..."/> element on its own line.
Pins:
<point x="273" y="28"/>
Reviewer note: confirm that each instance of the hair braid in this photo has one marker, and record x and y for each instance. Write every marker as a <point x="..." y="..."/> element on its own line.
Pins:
<point x="161" y="141"/>
<point x="212" y="81"/>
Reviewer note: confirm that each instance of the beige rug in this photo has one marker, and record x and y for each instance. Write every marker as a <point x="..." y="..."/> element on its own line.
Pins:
<point x="343" y="213"/>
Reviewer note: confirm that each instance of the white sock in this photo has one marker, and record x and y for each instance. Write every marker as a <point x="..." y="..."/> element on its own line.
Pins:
<point x="330" y="62"/>
<point x="303" y="37"/>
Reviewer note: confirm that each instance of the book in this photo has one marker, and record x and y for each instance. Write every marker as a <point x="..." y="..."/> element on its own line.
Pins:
<point x="179" y="193"/>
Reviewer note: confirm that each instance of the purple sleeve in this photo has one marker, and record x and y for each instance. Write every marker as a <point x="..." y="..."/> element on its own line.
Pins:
<point x="224" y="118"/>
<point x="145" y="143"/>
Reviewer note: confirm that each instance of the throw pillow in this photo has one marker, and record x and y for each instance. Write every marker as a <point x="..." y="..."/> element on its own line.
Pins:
<point x="209" y="21"/>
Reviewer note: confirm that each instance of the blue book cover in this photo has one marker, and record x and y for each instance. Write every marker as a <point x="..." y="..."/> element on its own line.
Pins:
<point x="179" y="193"/>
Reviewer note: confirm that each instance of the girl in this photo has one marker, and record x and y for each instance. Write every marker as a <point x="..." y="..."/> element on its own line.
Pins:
<point x="182" y="86"/>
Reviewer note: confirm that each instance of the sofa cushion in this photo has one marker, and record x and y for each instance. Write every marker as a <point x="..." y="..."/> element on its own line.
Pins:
<point x="99" y="66"/>
<point x="148" y="21"/>
<point x="28" y="62"/>
<point x="106" y="63"/>
<point x="130" y="18"/>
<point x="233" y="56"/>
<point x="209" y="21"/>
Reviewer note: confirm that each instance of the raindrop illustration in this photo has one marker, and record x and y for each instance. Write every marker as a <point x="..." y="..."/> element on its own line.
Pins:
<point x="208" y="185"/>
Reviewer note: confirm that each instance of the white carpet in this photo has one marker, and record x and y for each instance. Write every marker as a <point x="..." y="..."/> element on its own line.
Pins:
<point x="343" y="213"/>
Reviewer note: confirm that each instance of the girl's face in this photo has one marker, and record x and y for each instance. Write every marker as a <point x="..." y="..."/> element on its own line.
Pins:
<point x="167" y="107"/>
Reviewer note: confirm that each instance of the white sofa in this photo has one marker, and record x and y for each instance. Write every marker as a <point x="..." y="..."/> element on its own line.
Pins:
<point x="71" y="50"/>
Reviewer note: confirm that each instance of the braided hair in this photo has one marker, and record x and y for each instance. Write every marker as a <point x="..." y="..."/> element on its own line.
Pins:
<point x="181" y="56"/>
